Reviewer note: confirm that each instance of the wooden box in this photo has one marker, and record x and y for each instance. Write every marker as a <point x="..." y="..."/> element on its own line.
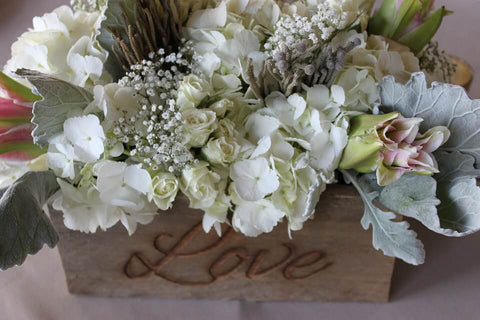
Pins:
<point x="331" y="259"/>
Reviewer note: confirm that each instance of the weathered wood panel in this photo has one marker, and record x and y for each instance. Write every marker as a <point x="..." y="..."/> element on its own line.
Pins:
<point x="331" y="259"/>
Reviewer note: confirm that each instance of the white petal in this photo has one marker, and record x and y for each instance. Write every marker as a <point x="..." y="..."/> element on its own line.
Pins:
<point x="299" y="105"/>
<point x="263" y="146"/>
<point x="138" y="178"/>
<point x="209" y="18"/>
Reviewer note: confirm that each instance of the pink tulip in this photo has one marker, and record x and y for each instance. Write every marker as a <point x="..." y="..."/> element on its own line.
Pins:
<point x="16" y="142"/>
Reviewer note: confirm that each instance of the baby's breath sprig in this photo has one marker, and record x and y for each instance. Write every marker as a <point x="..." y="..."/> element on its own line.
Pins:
<point x="156" y="25"/>
<point x="154" y="135"/>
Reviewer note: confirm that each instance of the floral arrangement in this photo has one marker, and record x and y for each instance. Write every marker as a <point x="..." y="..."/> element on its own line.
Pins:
<point x="249" y="108"/>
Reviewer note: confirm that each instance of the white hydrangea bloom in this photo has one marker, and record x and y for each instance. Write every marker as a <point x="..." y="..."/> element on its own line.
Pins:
<point x="254" y="179"/>
<point x="83" y="210"/>
<point x="252" y="218"/>
<point x="87" y="137"/>
<point x="10" y="171"/>
<point x="61" y="157"/>
<point x="126" y="187"/>
<point x="62" y="43"/>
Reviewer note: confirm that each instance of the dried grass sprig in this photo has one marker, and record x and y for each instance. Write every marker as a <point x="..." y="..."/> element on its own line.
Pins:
<point x="156" y="25"/>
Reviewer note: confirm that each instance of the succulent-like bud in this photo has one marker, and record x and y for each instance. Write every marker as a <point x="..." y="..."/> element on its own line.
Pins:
<point x="391" y="145"/>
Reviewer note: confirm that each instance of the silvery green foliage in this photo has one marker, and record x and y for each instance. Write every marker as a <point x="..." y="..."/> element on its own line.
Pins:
<point x="24" y="228"/>
<point x="413" y="196"/>
<point x="445" y="105"/>
<point x="114" y="22"/>
<point x="60" y="98"/>
<point x="394" y="238"/>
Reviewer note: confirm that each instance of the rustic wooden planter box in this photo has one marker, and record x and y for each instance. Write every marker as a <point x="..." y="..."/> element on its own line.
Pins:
<point x="331" y="259"/>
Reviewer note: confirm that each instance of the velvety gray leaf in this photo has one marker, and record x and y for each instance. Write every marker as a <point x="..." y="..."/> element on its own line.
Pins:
<point x="24" y="227"/>
<point x="114" y="22"/>
<point x="455" y="166"/>
<point x="394" y="238"/>
<point x="460" y="208"/>
<point x="413" y="196"/>
<point x="459" y="159"/>
<point x="441" y="105"/>
<point x="59" y="99"/>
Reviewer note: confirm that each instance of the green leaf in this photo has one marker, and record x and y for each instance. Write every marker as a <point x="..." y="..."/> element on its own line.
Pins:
<point x="459" y="159"/>
<point x="421" y="36"/>
<point x="114" y="21"/>
<point x="383" y="19"/>
<point x="406" y="13"/>
<point x="24" y="228"/>
<point x="413" y="196"/>
<point x="394" y="238"/>
<point x="59" y="99"/>
<point x="17" y="90"/>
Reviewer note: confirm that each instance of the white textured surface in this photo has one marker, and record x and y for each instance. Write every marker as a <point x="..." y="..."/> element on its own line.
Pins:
<point x="446" y="287"/>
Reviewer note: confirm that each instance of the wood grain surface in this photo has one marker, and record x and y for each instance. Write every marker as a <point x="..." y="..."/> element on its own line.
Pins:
<point x="331" y="259"/>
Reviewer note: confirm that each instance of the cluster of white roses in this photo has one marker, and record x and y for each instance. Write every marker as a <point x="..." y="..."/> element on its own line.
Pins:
<point x="262" y="161"/>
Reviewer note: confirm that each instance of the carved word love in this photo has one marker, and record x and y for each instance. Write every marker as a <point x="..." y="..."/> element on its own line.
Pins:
<point x="290" y="265"/>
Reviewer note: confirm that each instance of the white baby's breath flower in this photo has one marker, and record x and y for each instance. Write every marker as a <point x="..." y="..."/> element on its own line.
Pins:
<point x="199" y="124"/>
<point x="87" y="137"/>
<point x="254" y="179"/>
<point x="164" y="190"/>
<point x="200" y="185"/>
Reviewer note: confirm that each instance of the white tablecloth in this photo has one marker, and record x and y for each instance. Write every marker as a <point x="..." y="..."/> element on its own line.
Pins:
<point x="446" y="287"/>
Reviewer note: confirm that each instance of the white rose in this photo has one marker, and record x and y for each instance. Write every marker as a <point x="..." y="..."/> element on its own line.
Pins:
<point x="225" y="128"/>
<point x="62" y="43"/>
<point x="199" y="125"/>
<point x="164" y="190"/>
<point x="222" y="151"/>
<point x="192" y="91"/>
<point x="222" y="106"/>
<point x="200" y="185"/>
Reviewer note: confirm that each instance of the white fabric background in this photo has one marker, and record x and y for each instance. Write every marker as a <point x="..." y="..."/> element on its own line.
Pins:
<point x="446" y="287"/>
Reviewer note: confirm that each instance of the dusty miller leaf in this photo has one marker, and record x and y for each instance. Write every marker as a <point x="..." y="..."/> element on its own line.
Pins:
<point x="24" y="228"/>
<point x="394" y="238"/>
<point x="114" y="22"/>
<point x="413" y="196"/>
<point x="446" y="105"/>
<point x="441" y="105"/>
<point x="59" y="99"/>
